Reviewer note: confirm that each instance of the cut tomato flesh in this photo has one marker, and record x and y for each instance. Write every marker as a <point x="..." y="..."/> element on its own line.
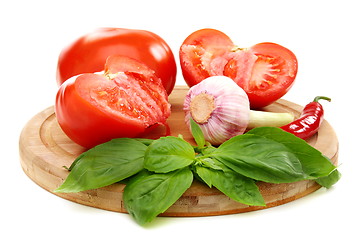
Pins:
<point x="251" y="71"/>
<point x="264" y="73"/>
<point x="127" y="96"/>
<point x="196" y="56"/>
<point x="130" y="95"/>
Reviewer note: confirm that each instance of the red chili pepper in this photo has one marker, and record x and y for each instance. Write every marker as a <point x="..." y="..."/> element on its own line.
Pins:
<point x="310" y="120"/>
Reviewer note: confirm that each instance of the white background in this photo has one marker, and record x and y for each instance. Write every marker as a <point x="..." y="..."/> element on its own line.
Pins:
<point x="324" y="35"/>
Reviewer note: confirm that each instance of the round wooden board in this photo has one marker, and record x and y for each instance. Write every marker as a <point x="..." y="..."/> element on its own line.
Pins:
<point x="45" y="149"/>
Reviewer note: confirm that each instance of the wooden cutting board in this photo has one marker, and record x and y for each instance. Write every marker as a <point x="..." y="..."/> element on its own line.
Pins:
<point x="45" y="149"/>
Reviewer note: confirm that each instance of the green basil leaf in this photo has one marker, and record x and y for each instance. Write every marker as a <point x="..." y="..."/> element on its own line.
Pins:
<point x="329" y="180"/>
<point x="313" y="162"/>
<point x="237" y="187"/>
<point x="197" y="134"/>
<point x="104" y="165"/>
<point x="168" y="154"/>
<point x="145" y="141"/>
<point x="260" y="158"/>
<point x="149" y="194"/>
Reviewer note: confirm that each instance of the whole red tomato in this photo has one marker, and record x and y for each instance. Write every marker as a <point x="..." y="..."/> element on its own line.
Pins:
<point x="123" y="102"/>
<point x="266" y="71"/>
<point x="89" y="53"/>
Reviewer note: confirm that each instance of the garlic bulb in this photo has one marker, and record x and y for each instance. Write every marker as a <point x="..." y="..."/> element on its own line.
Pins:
<point x="219" y="106"/>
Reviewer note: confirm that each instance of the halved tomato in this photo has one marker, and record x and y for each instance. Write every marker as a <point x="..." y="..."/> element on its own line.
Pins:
<point x="123" y="102"/>
<point x="266" y="71"/>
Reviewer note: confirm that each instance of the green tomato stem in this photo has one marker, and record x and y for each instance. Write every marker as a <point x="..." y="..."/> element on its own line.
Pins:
<point x="268" y="119"/>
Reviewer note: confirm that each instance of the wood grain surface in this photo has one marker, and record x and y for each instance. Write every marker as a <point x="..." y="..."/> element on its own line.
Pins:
<point x="45" y="149"/>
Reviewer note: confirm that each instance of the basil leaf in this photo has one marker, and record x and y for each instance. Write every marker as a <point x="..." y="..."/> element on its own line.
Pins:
<point x="197" y="134"/>
<point x="149" y="194"/>
<point x="329" y="180"/>
<point x="168" y="154"/>
<point x="145" y="141"/>
<point x="260" y="158"/>
<point x="232" y="184"/>
<point x="105" y="164"/>
<point x="313" y="162"/>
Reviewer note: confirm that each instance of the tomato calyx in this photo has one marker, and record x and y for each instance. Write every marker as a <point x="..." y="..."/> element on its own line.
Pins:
<point x="237" y="48"/>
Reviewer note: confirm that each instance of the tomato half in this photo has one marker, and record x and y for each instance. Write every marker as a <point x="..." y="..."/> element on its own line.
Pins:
<point x="89" y="53"/>
<point x="123" y="102"/>
<point x="266" y="71"/>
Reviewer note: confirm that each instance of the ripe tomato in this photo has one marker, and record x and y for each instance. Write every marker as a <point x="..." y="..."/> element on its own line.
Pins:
<point x="266" y="71"/>
<point x="123" y="102"/>
<point x="89" y="53"/>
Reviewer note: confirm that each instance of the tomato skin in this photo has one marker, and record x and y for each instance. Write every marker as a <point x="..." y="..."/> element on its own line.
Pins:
<point x="88" y="53"/>
<point x="88" y="122"/>
<point x="266" y="71"/>
<point x="210" y="38"/>
<point x="84" y="123"/>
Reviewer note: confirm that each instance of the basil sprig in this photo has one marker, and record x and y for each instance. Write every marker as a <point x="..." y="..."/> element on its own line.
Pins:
<point x="160" y="171"/>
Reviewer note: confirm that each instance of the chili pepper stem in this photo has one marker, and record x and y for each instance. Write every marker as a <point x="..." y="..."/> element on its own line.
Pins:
<point x="316" y="99"/>
<point x="268" y="119"/>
